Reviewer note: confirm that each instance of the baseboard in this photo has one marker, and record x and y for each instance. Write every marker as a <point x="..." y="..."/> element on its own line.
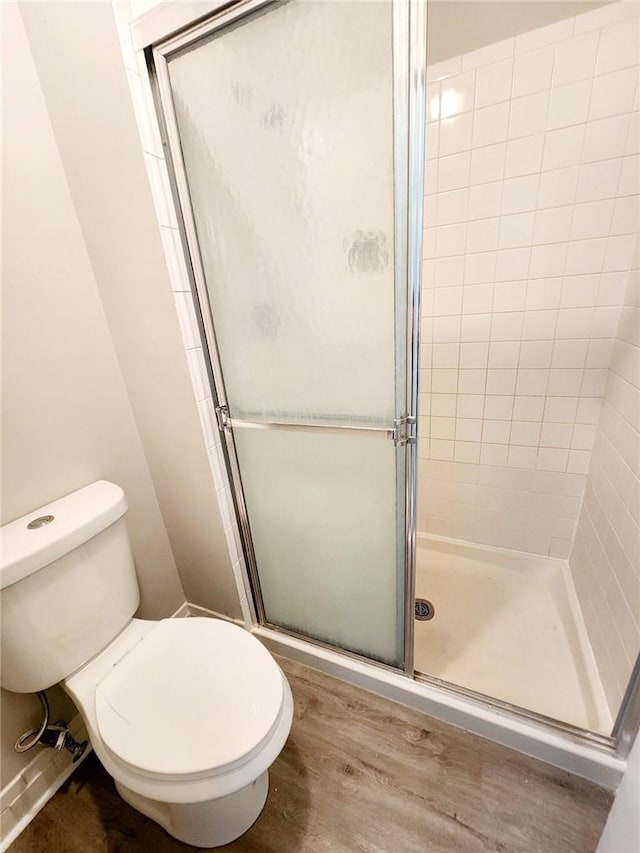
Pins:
<point x="196" y="610"/>
<point x="33" y="787"/>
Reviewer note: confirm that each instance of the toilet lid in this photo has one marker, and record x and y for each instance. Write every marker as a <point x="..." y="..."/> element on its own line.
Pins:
<point x="194" y="695"/>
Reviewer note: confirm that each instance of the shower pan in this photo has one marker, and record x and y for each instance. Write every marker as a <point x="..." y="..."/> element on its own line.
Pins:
<point x="294" y="135"/>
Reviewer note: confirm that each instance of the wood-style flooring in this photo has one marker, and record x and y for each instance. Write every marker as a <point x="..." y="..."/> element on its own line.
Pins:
<point x="359" y="773"/>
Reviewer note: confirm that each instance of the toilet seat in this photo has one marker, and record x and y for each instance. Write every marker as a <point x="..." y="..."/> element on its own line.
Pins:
<point x="194" y="698"/>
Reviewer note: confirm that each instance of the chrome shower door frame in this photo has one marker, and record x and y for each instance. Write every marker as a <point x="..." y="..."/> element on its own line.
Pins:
<point x="409" y="72"/>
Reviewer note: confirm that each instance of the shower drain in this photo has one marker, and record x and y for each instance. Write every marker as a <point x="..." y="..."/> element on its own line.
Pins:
<point x="424" y="610"/>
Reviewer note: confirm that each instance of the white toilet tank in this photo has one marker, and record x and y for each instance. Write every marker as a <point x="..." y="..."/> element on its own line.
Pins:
<point x="68" y="586"/>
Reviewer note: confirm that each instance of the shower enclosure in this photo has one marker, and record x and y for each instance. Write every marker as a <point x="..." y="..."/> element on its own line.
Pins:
<point x="295" y="140"/>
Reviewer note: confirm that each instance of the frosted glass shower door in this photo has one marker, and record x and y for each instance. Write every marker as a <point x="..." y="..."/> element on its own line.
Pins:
<point x="285" y="121"/>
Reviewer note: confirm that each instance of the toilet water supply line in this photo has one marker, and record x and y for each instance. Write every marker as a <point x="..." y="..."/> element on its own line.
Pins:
<point x="56" y="736"/>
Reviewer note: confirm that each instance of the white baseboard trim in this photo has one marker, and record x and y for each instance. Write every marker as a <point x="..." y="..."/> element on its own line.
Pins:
<point x="28" y="792"/>
<point x="196" y="610"/>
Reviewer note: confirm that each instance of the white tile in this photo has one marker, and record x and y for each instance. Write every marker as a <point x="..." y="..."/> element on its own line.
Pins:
<point x="487" y="163"/>
<point x="476" y="327"/>
<point x="174" y="256"/>
<point x="498" y="407"/>
<point x="490" y="125"/>
<point x="532" y="382"/>
<point x="560" y="410"/>
<point x="542" y="36"/>
<point x="556" y="435"/>
<point x="574" y="323"/>
<point x="512" y="264"/>
<point x="618" y="46"/>
<point x="446" y="68"/>
<point x="619" y="253"/>
<point x="482" y="235"/>
<point x="496" y="432"/>
<point x="548" y="261"/>
<point x="592" y="219"/>
<point x="570" y="354"/>
<point x="564" y="382"/>
<point x="450" y="240"/>
<point x="161" y="191"/>
<point x="443" y="428"/>
<point x="613" y="93"/>
<point x="579" y="461"/>
<point x="585" y="256"/>
<point x="629" y="183"/>
<point x="472" y="381"/>
<point x="493" y="454"/>
<point x="208" y="421"/>
<point x="187" y="320"/>
<point x="443" y="405"/>
<point x="569" y="104"/>
<point x="473" y="355"/>
<point x="532" y="71"/>
<point x="447" y="301"/>
<point x="553" y="225"/>
<point x="522" y="457"/>
<point x="452" y="207"/>
<point x="448" y="272"/>
<point x="501" y="382"/>
<point x="456" y="95"/>
<point x="432" y="141"/>
<point x="626" y="215"/>
<point x="558" y="187"/>
<point x="552" y="459"/>
<point x="524" y="156"/>
<point x="575" y="59"/>
<point x="605" y="138"/>
<point x="509" y="296"/>
<point x="528" y="408"/>
<point x="563" y="147"/>
<point x="493" y="83"/>
<point x="467" y="451"/>
<point x="468" y="429"/>
<point x="503" y="354"/>
<point x="519" y="194"/>
<point x="526" y="433"/>
<point x="528" y="114"/>
<point x="446" y="329"/>
<point x="453" y="171"/>
<point x="486" y="55"/>
<point x="543" y="293"/>
<point x="507" y="326"/>
<point x="535" y="354"/>
<point x="588" y="410"/>
<point x="477" y="299"/>
<point x="485" y="200"/>
<point x="583" y="436"/>
<point x="599" y="181"/>
<point x="579" y="291"/>
<point x="441" y="449"/>
<point x="455" y="134"/>
<point x="444" y="381"/>
<point x="516" y="230"/>
<point x="479" y="268"/>
<point x="198" y="373"/>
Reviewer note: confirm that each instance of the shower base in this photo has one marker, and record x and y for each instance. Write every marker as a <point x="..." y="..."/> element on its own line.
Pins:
<point x="507" y="625"/>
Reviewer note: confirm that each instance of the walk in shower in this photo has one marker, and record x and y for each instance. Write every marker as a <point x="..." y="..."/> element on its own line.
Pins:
<point x="416" y="269"/>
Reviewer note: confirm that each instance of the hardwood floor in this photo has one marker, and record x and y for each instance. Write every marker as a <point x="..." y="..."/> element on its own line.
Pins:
<point x="359" y="773"/>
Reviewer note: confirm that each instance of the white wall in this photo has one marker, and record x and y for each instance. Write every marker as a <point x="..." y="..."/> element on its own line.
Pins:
<point x="66" y="416"/>
<point x="77" y="55"/>
<point x="605" y="560"/>
<point x="530" y="212"/>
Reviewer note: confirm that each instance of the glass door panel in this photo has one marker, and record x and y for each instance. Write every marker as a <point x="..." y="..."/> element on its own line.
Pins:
<point x="324" y="520"/>
<point x="286" y="129"/>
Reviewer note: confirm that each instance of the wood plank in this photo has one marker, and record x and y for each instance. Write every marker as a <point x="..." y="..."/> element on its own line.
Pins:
<point x="359" y="773"/>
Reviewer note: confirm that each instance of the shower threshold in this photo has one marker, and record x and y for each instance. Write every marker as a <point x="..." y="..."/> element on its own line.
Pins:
<point x="508" y="626"/>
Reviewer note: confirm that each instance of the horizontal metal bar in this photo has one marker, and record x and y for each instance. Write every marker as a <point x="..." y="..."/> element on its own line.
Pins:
<point x="338" y="429"/>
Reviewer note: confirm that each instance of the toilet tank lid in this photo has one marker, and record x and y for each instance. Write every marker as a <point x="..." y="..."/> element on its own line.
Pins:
<point x="77" y="517"/>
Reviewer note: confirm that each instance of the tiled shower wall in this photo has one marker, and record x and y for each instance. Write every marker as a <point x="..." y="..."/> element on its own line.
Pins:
<point x="605" y="560"/>
<point x="530" y="211"/>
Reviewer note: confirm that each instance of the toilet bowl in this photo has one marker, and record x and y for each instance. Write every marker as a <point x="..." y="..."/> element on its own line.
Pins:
<point x="187" y="715"/>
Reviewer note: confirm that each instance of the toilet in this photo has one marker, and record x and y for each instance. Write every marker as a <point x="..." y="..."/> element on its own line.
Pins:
<point x="187" y="715"/>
